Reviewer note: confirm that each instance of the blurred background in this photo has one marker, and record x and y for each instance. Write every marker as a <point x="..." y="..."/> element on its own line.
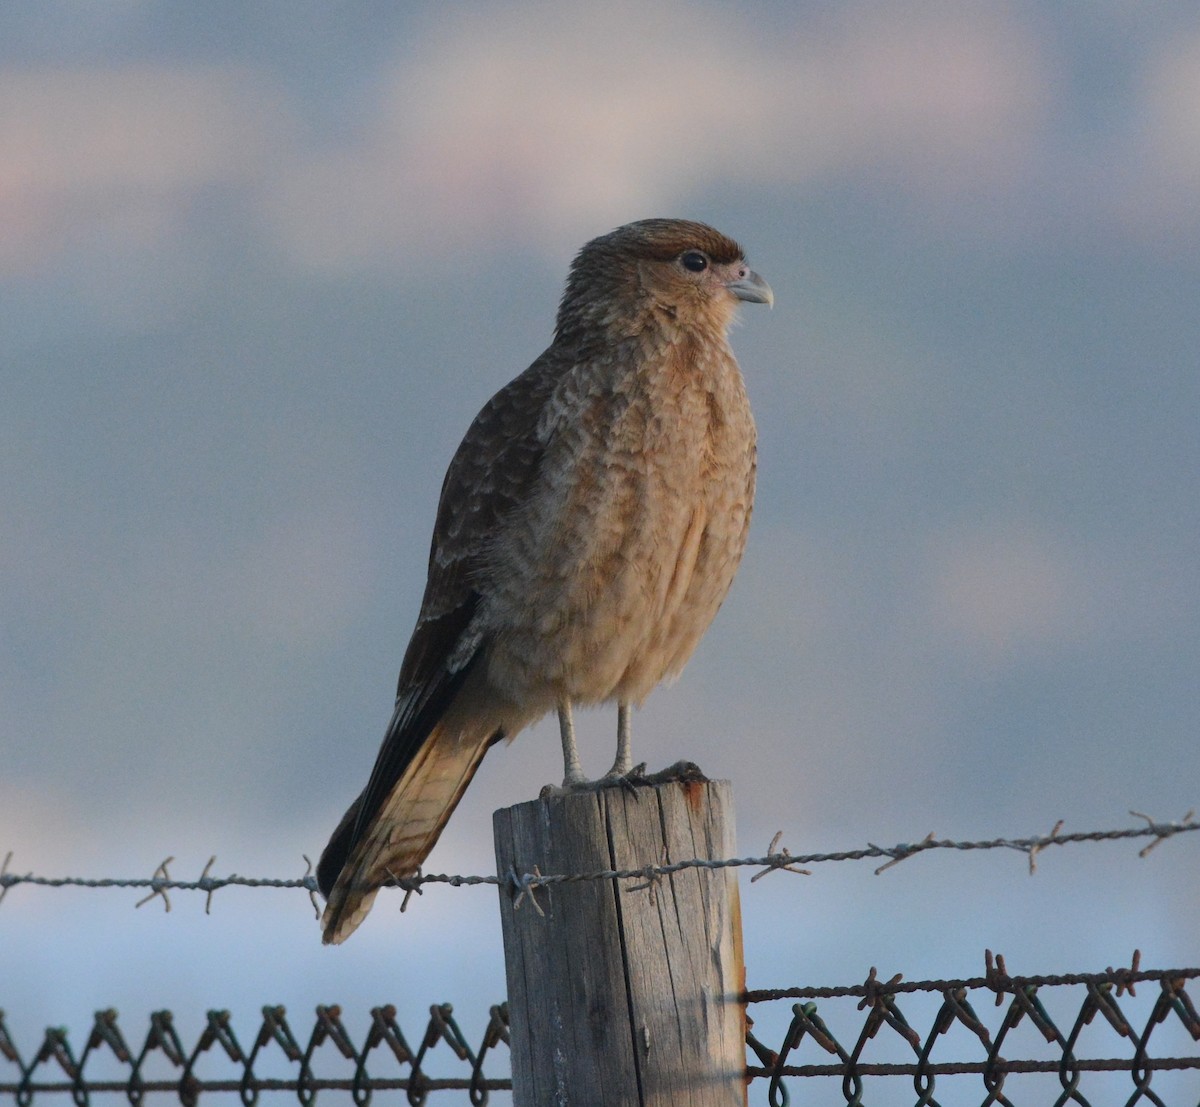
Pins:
<point x="261" y="265"/>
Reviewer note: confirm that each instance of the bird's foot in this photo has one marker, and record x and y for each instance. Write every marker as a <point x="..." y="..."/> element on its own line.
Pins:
<point x="611" y="779"/>
<point x="628" y="778"/>
<point x="568" y="787"/>
<point x="683" y="772"/>
<point x="686" y="772"/>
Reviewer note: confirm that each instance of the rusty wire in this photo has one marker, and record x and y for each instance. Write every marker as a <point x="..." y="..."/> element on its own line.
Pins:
<point x="775" y="860"/>
<point x="872" y="1006"/>
<point x="54" y="1059"/>
<point x="1022" y="998"/>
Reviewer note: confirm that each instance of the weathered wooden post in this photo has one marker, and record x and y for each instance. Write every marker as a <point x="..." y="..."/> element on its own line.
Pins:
<point x="624" y="992"/>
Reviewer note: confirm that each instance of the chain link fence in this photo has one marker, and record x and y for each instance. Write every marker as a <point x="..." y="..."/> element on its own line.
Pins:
<point x="853" y="1044"/>
<point x="991" y="1034"/>
<point x="54" y="1067"/>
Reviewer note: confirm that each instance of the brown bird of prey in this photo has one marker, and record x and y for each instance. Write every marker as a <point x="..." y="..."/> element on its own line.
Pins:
<point x="589" y="527"/>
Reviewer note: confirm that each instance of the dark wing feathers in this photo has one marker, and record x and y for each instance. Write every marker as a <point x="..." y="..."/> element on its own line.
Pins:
<point x="415" y="716"/>
<point x="490" y="475"/>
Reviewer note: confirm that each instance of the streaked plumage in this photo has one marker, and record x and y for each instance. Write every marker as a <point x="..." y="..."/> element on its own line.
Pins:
<point x="589" y="527"/>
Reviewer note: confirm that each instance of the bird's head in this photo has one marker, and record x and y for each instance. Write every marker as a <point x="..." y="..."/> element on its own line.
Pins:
<point x="655" y="272"/>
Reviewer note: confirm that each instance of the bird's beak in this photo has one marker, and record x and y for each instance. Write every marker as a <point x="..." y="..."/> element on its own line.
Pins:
<point x="753" y="289"/>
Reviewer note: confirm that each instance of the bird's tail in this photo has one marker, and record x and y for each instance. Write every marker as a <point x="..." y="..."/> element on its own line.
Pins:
<point x="404" y="830"/>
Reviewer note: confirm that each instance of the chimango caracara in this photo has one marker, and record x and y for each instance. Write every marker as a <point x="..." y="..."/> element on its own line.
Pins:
<point x="589" y="527"/>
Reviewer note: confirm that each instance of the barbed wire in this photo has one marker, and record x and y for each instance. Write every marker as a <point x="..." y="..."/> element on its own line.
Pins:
<point x="775" y="859"/>
<point x="54" y="1067"/>
<point x="995" y="977"/>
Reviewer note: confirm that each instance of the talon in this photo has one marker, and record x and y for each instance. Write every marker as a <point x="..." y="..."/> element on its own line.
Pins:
<point x="628" y="782"/>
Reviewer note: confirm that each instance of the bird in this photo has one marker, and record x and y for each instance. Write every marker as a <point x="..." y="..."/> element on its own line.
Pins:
<point x="589" y="527"/>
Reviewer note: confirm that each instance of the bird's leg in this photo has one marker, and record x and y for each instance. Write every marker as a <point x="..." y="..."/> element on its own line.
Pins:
<point x="624" y="762"/>
<point x="572" y="769"/>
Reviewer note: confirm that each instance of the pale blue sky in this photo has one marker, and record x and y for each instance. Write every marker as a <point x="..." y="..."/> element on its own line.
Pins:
<point x="259" y="267"/>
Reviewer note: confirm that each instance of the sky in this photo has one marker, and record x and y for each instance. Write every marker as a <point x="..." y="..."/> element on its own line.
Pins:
<point x="261" y="265"/>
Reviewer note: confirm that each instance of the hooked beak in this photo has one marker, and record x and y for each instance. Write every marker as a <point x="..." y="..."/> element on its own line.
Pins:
<point x="753" y="289"/>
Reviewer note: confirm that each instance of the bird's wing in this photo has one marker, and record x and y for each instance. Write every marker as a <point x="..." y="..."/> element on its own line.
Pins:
<point x="489" y="478"/>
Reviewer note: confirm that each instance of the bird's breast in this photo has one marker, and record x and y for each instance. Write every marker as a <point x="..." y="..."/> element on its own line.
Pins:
<point x="604" y="582"/>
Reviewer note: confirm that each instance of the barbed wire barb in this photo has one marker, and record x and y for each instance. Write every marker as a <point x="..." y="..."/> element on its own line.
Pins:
<point x="1162" y="831"/>
<point x="652" y="878"/>
<point x="4" y="885"/>
<point x="995" y="974"/>
<point x="524" y="886"/>
<point x="1037" y="847"/>
<point x="902" y="852"/>
<point x="410" y="884"/>
<point x="206" y="880"/>
<point x="781" y="860"/>
<point x="1126" y="983"/>
<point x="159" y="883"/>
<point x="874" y="989"/>
<point x="310" y="885"/>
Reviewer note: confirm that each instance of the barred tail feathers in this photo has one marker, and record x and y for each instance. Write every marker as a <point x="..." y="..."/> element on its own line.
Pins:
<point x="401" y="834"/>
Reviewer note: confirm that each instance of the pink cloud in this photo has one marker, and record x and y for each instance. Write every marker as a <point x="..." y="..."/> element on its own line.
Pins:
<point x="82" y="149"/>
<point x="532" y="124"/>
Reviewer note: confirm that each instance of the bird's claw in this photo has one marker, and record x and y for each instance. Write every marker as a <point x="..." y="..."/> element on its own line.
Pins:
<point x="629" y="778"/>
<point x="568" y="787"/>
<point x="637" y="777"/>
<point x="684" y="772"/>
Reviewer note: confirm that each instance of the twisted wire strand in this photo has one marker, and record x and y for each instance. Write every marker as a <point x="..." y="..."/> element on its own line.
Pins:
<point x="774" y="860"/>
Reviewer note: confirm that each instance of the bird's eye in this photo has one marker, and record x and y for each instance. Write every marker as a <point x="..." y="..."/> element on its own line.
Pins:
<point x="694" y="261"/>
